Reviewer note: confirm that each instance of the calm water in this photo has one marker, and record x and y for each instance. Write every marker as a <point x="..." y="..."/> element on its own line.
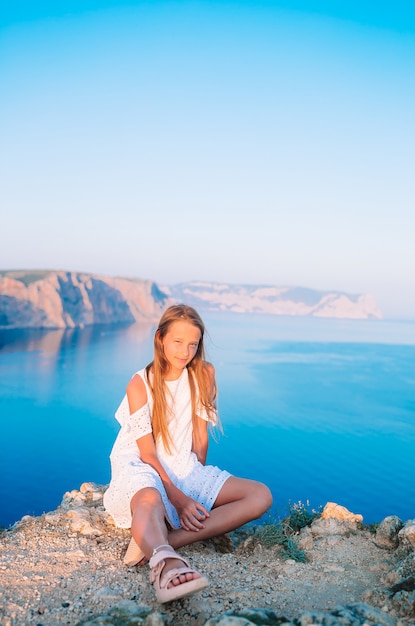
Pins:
<point x="320" y="410"/>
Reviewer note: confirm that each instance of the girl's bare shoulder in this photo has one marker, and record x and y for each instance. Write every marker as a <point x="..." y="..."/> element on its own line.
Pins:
<point x="136" y="393"/>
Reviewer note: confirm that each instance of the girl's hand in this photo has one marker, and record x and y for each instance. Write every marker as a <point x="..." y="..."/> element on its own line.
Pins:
<point x="191" y="513"/>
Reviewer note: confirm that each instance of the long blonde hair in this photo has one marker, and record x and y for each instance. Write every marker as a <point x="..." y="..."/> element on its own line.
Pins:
<point x="198" y="371"/>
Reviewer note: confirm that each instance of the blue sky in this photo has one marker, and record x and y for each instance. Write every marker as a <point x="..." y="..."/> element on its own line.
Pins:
<point x="255" y="142"/>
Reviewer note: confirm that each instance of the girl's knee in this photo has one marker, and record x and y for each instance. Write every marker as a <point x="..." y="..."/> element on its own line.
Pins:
<point x="267" y="497"/>
<point x="146" y="497"/>
<point x="262" y="499"/>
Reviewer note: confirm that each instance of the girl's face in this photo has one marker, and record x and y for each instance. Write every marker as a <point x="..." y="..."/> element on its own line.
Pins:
<point x="180" y="345"/>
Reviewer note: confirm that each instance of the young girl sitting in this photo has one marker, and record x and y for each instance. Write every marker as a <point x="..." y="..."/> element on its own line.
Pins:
<point x="161" y="487"/>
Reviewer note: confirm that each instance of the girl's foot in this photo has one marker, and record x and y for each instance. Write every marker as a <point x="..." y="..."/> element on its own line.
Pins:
<point x="174" y="563"/>
<point x="170" y="579"/>
<point x="134" y="554"/>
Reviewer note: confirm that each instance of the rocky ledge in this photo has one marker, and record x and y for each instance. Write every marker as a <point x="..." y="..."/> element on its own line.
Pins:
<point x="65" y="567"/>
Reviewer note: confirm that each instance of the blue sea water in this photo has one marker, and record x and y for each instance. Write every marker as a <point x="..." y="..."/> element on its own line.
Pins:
<point x="319" y="409"/>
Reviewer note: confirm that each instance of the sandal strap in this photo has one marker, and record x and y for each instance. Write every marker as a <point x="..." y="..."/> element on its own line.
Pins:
<point x="163" y="545"/>
<point x="175" y="573"/>
<point x="166" y="554"/>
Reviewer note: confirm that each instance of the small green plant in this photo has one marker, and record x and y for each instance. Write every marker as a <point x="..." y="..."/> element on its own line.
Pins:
<point x="282" y="531"/>
<point x="299" y="516"/>
<point x="372" y="528"/>
<point x="291" y="550"/>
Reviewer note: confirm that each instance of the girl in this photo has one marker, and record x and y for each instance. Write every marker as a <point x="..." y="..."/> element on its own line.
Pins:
<point x="161" y="487"/>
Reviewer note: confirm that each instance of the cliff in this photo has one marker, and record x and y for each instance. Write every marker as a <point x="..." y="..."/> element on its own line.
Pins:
<point x="71" y="299"/>
<point x="58" y="299"/>
<point x="66" y="567"/>
<point x="276" y="300"/>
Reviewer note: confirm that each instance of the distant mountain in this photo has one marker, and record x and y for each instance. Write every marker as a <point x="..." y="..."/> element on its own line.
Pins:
<point x="59" y="299"/>
<point x="275" y="300"/>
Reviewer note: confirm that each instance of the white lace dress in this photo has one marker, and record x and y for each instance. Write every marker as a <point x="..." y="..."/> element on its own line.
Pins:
<point x="128" y="472"/>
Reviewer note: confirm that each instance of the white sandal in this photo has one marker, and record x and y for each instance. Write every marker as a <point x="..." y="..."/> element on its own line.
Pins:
<point x="163" y="593"/>
<point x="134" y="554"/>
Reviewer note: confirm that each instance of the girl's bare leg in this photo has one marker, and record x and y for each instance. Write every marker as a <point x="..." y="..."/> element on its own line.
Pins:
<point x="239" y="501"/>
<point x="148" y="527"/>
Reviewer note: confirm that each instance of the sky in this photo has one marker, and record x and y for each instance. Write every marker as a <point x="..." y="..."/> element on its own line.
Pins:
<point x="267" y="142"/>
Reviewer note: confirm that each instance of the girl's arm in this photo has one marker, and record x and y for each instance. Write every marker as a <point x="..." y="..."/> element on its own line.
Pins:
<point x="200" y="443"/>
<point x="148" y="454"/>
<point x="201" y="438"/>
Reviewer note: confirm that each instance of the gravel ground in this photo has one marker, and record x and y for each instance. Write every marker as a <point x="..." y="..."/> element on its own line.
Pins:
<point x="48" y="576"/>
<point x="51" y="575"/>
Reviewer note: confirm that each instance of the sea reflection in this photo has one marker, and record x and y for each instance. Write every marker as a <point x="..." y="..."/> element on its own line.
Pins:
<point x="57" y="340"/>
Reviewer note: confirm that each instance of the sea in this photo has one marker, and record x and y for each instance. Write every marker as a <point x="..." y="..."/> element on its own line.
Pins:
<point x="321" y="410"/>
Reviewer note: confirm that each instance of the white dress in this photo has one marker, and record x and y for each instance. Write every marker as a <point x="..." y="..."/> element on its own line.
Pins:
<point x="129" y="473"/>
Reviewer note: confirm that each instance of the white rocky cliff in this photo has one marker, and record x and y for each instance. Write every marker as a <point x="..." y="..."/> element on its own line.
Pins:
<point x="276" y="300"/>
<point x="71" y="299"/>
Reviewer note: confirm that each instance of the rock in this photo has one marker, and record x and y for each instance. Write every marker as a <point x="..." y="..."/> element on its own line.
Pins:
<point x="387" y="532"/>
<point x="399" y="597"/>
<point x="403" y="570"/>
<point x="106" y="593"/>
<point x="257" y="616"/>
<point x="326" y="527"/>
<point x="83" y="510"/>
<point x="126" y="614"/>
<point x="84" y="521"/>
<point x="89" y="494"/>
<point x="223" y="543"/>
<point x="306" y="541"/>
<point x="155" y="619"/>
<point x="94" y="490"/>
<point x="230" y="620"/>
<point x="406" y="534"/>
<point x="401" y="603"/>
<point x="351" y="615"/>
<point x="338" y="512"/>
<point x="248" y="617"/>
<point x="336" y="520"/>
